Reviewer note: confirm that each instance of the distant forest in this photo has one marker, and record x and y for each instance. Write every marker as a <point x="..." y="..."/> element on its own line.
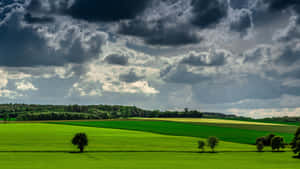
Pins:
<point x="22" y="112"/>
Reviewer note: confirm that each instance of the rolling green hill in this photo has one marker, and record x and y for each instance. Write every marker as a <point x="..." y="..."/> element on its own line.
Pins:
<point x="245" y="136"/>
<point x="52" y="137"/>
<point x="36" y="146"/>
<point x="259" y="126"/>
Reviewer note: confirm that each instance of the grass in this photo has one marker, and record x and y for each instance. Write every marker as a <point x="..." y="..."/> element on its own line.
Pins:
<point x="138" y="160"/>
<point x="51" y="137"/>
<point x="245" y="136"/>
<point x="47" y="146"/>
<point x="279" y="128"/>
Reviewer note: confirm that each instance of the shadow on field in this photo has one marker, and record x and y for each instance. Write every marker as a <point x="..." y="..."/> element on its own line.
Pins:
<point x="112" y="151"/>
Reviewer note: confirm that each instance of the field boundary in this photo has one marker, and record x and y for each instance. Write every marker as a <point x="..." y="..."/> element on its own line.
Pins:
<point x="142" y="151"/>
<point x="199" y="122"/>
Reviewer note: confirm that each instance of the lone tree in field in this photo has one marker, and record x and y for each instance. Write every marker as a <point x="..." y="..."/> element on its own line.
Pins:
<point x="277" y="142"/>
<point x="268" y="139"/>
<point x="296" y="142"/>
<point x="80" y="140"/>
<point x="260" y="139"/>
<point x="260" y="146"/>
<point x="5" y="117"/>
<point x="201" y="145"/>
<point x="212" y="142"/>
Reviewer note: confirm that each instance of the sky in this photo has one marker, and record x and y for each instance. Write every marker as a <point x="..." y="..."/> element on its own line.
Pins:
<point x="233" y="56"/>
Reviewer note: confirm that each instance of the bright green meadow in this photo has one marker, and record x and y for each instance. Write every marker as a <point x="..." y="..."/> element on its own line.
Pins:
<point x="143" y="145"/>
<point x="231" y="134"/>
<point x="148" y="160"/>
<point x="52" y="137"/>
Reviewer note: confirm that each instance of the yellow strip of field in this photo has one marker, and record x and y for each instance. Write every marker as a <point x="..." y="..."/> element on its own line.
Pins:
<point x="205" y="120"/>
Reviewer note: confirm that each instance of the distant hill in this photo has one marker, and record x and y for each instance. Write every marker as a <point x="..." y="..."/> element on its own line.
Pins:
<point x="66" y="112"/>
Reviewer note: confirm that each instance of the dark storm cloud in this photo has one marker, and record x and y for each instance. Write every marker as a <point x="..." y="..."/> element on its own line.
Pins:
<point x="275" y="5"/>
<point x="8" y="6"/>
<point x="294" y="91"/>
<point x="164" y="72"/>
<point x="180" y="74"/>
<point x="208" y="13"/>
<point x="215" y="59"/>
<point x="279" y="5"/>
<point x="242" y="23"/>
<point x="295" y="74"/>
<point x="153" y="33"/>
<point x="116" y="59"/>
<point x="48" y="7"/>
<point x="23" y="46"/>
<point x="290" y="33"/>
<point x="255" y="55"/>
<point x="42" y="11"/>
<point x="112" y="10"/>
<point x="255" y="87"/>
<point x="238" y="4"/>
<point x="4" y="3"/>
<point x="43" y="19"/>
<point x="212" y="79"/>
<point x="91" y="10"/>
<point x="289" y="55"/>
<point x="158" y="33"/>
<point x="167" y="32"/>
<point x="130" y="77"/>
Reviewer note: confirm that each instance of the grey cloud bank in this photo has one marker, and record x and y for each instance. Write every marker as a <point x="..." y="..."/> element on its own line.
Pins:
<point x="213" y="55"/>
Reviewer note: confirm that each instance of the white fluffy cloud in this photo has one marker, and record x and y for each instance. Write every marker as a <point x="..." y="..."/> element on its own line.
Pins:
<point x="3" y="79"/>
<point x="4" y="92"/>
<point x="106" y="78"/>
<point x="25" y="86"/>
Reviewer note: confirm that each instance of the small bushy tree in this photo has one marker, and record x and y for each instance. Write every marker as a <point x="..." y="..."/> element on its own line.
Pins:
<point x="268" y="139"/>
<point x="260" y="139"/>
<point x="201" y="145"/>
<point x="260" y="146"/>
<point x="296" y="142"/>
<point x="5" y="117"/>
<point x="212" y="142"/>
<point x="296" y="147"/>
<point x="277" y="142"/>
<point x="80" y="140"/>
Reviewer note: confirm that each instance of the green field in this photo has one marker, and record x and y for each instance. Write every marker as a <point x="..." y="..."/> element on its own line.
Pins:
<point x="206" y="120"/>
<point x="167" y="145"/>
<point x="258" y="126"/>
<point x="52" y="137"/>
<point x="230" y="134"/>
<point x="148" y="160"/>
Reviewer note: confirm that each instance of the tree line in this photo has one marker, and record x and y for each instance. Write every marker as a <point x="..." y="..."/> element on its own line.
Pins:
<point x="277" y="143"/>
<point x="55" y="116"/>
<point x="72" y="112"/>
<point x="27" y="111"/>
<point x="12" y="111"/>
